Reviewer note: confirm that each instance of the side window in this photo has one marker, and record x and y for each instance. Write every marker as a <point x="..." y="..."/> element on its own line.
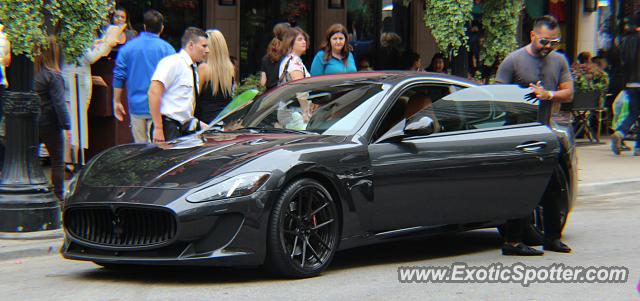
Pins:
<point x="481" y="108"/>
<point x="412" y="101"/>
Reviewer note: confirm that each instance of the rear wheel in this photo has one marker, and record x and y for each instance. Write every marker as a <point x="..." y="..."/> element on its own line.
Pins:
<point x="559" y="189"/>
<point x="303" y="230"/>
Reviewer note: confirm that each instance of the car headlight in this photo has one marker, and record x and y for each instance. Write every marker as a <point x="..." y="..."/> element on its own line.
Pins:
<point x="241" y="185"/>
<point x="71" y="187"/>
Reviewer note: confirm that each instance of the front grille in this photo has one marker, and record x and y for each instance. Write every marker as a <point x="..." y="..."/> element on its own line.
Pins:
<point x="123" y="227"/>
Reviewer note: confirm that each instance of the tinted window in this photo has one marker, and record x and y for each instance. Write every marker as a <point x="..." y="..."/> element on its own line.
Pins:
<point x="483" y="107"/>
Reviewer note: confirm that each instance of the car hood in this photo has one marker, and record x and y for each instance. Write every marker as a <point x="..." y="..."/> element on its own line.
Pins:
<point x="189" y="161"/>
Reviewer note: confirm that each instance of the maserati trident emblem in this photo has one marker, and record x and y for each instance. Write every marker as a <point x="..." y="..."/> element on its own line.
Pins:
<point x="117" y="226"/>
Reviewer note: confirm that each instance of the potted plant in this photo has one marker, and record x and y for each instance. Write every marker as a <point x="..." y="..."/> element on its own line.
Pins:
<point x="590" y="82"/>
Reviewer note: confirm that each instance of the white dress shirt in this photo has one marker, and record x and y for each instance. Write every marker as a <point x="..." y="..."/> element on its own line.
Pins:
<point x="175" y="73"/>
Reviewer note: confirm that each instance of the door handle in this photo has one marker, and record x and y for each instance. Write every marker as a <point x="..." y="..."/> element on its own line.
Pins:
<point x="531" y="146"/>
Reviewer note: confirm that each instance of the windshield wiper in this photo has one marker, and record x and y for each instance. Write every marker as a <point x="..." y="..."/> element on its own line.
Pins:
<point x="276" y="130"/>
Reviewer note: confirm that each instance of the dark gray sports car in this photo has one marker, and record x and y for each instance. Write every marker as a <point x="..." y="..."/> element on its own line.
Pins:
<point x="319" y="165"/>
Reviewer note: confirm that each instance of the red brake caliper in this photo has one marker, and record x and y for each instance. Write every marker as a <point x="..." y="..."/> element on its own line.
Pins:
<point x="315" y="222"/>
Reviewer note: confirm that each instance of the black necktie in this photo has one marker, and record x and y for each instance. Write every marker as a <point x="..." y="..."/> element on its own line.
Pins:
<point x="195" y="85"/>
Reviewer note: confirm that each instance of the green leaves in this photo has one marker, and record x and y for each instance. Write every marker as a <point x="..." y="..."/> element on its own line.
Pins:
<point x="81" y="21"/>
<point x="500" y="22"/>
<point x="75" y="22"/>
<point x="23" y="21"/>
<point x="448" y="20"/>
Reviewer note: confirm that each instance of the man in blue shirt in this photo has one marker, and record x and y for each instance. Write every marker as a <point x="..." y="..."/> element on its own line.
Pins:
<point x="135" y="64"/>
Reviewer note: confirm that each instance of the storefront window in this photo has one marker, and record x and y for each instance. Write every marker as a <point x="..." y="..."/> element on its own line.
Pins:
<point x="258" y="19"/>
<point x="379" y="32"/>
<point x="178" y="15"/>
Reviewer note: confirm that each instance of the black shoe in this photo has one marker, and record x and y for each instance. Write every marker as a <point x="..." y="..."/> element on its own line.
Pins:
<point x="520" y="249"/>
<point x="556" y="245"/>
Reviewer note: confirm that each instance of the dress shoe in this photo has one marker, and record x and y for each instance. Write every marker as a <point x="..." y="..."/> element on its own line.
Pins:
<point x="520" y="249"/>
<point x="616" y="142"/>
<point x="556" y="245"/>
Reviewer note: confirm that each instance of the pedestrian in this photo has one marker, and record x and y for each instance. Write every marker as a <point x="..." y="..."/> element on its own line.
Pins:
<point x="135" y="64"/>
<point x="216" y="79"/>
<point x="335" y="53"/>
<point x="54" y="115"/>
<point x="630" y="50"/>
<point x="412" y="61"/>
<point x="438" y="64"/>
<point x="120" y="18"/>
<point x="173" y="90"/>
<point x="271" y="60"/>
<point x="547" y="73"/>
<point x="78" y="93"/>
<point x="294" y="44"/>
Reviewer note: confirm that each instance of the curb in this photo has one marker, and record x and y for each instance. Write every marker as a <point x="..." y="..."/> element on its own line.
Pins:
<point x="44" y="248"/>
<point x="601" y="188"/>
<point x="30" y="244"/>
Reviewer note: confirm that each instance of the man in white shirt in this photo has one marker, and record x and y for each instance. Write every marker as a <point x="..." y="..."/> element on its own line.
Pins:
<point x="173" y="88"/>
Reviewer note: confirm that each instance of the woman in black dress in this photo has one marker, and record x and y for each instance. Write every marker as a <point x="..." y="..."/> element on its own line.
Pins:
<point x="216" y="79"/>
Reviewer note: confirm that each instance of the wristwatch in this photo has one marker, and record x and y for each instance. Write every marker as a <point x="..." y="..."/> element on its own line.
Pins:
<point x="550" y="95"/>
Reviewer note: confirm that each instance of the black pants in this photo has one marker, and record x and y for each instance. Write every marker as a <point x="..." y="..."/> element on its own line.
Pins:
<point x="54" y="140"/>
<point x="551" y="216"/>
<point x="170" y="128"/>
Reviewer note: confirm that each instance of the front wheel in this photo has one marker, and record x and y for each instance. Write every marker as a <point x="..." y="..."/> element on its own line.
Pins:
<point x="303" y="230"/>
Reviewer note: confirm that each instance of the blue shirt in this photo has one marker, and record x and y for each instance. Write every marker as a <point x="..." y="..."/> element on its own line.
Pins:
<point x="135" y="64"/>
<point x="333" y="66"/>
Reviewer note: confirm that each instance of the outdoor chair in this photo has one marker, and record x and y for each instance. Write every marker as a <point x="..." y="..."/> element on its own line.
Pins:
<point x="583" y="108"/>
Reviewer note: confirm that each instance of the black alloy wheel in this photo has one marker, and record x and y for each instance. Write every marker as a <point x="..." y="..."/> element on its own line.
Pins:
<point x="303" y="230"/>
<point x="534" y="232"/>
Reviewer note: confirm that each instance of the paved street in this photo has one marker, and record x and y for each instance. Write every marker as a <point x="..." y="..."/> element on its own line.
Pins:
<point x="602" y="231"/>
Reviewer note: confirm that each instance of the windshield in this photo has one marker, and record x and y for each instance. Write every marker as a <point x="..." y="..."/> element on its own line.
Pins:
<point x="335" y="107"/>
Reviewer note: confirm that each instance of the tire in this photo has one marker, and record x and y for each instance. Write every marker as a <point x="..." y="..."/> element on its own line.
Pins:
<point x="534" y="231"/>
<point x="302" y="235"/>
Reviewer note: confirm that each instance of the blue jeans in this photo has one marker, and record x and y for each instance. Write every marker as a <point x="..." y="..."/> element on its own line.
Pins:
<point x="634" y="113"/>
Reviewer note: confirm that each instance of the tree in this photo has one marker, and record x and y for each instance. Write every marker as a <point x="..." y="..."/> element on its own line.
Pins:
<point x="448" y="23"/>
<point x="74" y="22"/>
<point x="500" y="23"/>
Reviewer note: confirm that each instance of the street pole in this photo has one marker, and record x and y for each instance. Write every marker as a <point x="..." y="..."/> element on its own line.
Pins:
<point x="80" y="162"/>
<point x="27" y="202"/>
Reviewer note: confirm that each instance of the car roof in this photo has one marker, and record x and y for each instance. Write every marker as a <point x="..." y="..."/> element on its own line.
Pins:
<point x="385" y="77"/>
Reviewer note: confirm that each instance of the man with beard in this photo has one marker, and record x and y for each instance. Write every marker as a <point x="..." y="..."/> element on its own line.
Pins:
<point x="547" y="74"/>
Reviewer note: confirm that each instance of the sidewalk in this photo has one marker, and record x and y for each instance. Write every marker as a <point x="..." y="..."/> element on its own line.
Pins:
<point x="599" y="172"/>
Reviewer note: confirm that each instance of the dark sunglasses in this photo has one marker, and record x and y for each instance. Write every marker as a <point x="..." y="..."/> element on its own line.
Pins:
<point x="550" y="42"/>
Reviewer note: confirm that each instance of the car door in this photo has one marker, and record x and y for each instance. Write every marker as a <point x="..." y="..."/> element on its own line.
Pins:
<point x="484" y="164"/>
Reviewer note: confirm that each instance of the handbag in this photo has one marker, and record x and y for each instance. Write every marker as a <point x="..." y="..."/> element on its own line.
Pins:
<point x="285" y="77"/>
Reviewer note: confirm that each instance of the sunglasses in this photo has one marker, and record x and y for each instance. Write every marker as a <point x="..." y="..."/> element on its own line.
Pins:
<point x="550" y="42"/>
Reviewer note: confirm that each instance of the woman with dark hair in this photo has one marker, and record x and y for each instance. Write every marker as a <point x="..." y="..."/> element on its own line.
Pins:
<point x="438" y="64"/>
<point x="120" y="17"/>
<point x="335" y="54"/>
<point x="294" y="44"/>
<point x="271" y="60"/>
<point x="54" y="115"/>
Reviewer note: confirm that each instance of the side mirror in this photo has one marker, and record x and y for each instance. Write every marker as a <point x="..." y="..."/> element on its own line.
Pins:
<point x="421" y="126"/>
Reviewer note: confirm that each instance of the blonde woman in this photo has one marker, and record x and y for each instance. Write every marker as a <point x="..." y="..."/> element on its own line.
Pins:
<point x="216" y="79"/>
